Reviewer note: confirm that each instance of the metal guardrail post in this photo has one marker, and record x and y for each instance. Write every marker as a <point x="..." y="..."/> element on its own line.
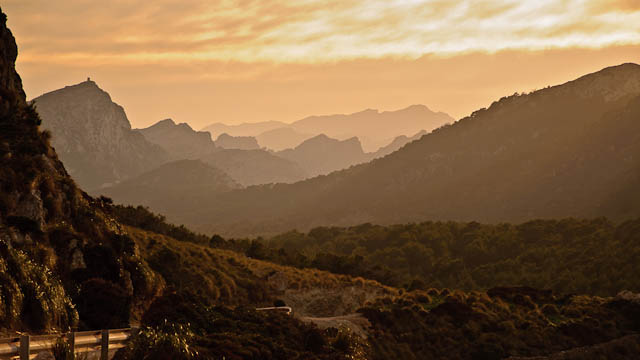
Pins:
<point x="24" y="347"/>
<point x="72" y="344"/>
<point x="104" y="348"/>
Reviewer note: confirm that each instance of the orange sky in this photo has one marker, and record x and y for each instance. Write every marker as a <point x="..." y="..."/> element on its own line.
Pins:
<point x="200" y="61"/>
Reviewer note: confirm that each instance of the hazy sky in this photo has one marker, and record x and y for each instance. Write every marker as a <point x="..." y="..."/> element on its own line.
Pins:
<point x="202" y="61"/>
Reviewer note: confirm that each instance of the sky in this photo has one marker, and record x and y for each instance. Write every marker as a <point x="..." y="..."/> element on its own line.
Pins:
<point x="203" y="61"/>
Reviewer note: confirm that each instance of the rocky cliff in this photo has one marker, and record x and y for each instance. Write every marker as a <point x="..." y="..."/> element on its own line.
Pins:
<point x="93" y="136"/>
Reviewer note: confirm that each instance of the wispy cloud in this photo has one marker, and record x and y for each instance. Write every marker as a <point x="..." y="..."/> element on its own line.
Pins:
<point x="128" y="31"/>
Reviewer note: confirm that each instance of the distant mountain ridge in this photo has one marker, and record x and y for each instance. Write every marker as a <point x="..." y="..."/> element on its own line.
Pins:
<point x="227" y="141"/>
<point x="564" y="151"/>
<point x="373" y="128"/>
<point x="247" y="167"/>
<point x="93" y="136"/>
<point x="180" y="141"/>
<point x="322" y="155"/>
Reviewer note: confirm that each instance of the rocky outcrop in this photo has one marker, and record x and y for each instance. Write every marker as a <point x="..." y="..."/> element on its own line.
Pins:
<point x="93" y="136"/>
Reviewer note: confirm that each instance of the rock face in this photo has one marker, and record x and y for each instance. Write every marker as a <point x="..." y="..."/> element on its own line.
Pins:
<point x="322" y="155"/>
<point x="227" y="141"/>
<point x="10" y="81"/>
<point x="180" y="141"/>
<point x="93" y="136"/>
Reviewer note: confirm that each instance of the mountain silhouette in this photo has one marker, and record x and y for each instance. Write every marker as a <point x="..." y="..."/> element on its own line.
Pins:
<point x="227" y="141"/>
<point x="374" y="128"/>
<point x="172" y="187"/>
<point x="564" y="151"/>
<point x="322" y="155"/>
<point x="93" y="136"/>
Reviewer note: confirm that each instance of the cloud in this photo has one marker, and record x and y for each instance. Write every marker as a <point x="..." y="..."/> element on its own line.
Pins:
<point x="309" y="31"/>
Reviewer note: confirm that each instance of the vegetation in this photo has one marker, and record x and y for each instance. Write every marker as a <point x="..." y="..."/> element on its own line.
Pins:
<point x="569" y="256"/>
<point x="499" y="323"/>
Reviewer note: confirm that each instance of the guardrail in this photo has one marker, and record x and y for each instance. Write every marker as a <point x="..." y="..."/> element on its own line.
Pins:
<point x="27" y="347"/>
<point x="285" y="309"/>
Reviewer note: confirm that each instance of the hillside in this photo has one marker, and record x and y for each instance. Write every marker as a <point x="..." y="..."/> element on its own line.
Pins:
<point x="69" y="261"/>
<point x="93" y="136"/>
<point x="173" y="187"/>
<point x="397" y="144"/>
<point x="179" y="141"/>
<point x="563" y="151"/>
<point x="322" y="155"/>
<point x="255" y="167"/>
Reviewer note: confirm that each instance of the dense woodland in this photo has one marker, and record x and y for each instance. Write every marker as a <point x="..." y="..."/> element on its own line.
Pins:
<point x="595" y="256"/>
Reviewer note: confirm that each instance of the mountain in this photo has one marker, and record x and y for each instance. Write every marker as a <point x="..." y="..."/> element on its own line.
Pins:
<point x="396" y="144"/>
<point x="62" y="255"/>
<point x="321" y="155"/>
<point x="281" y="138"/>
<point x="247" y="167"/>
<point x="564" y="151"/>
<point x="180" y="141"/>
<point x="72" y="262"/>
<point x="93" y="136"/>
<point x="227" y="141"/>
<point x="245" y="129"/>
<point x="374" y="128"/>
<point x="255" y="167"/>
<point x="172" y="187"/>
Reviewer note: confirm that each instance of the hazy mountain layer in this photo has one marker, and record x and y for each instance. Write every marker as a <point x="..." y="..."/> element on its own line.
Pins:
<point x="254" y="167"/>
<point x="227" y="141"/>
<point x="281" y="138"/>
<point x="173" y="187"/>
<point x="397" y="144"/>
<point x="180" y="141"/>
<point x="374" y="128"/>
<point x="322" y="155"/>
<point x="93" y="136"/>
<point x="568" y="150"/>
<point x="245" y="129"/>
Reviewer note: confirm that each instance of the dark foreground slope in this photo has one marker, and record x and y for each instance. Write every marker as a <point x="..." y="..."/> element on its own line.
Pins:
<point x="568" y="150"/>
